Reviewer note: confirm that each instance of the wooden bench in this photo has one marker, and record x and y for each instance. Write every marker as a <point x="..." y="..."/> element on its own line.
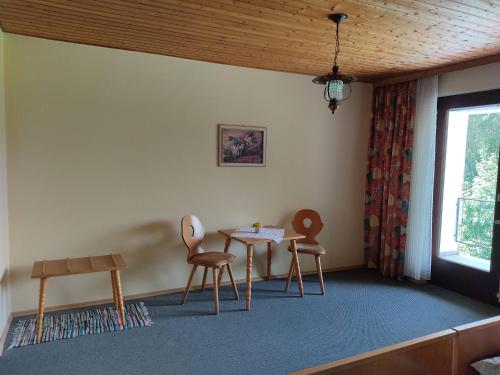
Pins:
<point x="74" y="266"/>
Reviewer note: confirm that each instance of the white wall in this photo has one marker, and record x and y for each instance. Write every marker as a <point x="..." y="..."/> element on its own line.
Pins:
<point x="107" y="149"/>
<point x="481" y="78"/>
<point x="4" y="232"/>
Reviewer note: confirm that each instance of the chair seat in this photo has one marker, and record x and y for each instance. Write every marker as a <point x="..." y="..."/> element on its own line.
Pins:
<point x="212" y="259"/>
<point x="306" y="248"/>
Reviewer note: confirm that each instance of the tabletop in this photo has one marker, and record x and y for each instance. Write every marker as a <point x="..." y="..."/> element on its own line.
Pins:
<point x="289" y="235"/>
<point x="74" y="266"/>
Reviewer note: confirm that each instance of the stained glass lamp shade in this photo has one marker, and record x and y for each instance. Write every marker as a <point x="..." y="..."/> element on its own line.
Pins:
<point x="337" y="85"/>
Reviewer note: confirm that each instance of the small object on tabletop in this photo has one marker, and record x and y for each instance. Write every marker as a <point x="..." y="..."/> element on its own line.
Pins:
<point x="257" y="226"/>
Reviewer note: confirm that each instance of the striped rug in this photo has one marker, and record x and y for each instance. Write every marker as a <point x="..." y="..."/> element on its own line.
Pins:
<point x="65" y="326"/>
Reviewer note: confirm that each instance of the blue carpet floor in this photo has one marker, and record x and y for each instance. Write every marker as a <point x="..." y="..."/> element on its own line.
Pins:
<point x="361" y="311"/>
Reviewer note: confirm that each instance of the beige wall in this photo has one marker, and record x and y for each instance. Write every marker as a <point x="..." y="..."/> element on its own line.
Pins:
<point x="486" y="77"/>
<point x="107" y="150"/>
<point x="4" y="232"/>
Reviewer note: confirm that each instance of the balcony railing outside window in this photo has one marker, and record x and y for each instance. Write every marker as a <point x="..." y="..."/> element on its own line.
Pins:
<point x="474" y="226"/>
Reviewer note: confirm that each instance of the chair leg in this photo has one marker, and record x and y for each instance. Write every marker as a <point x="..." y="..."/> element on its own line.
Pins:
<point x="320" y="274"/>
<point x="188" y="286"/>
<point x="290" y="274"/>
<point x="219" y="278"/>
<point x="226" y="249"/>
<point x="216" y="290"/>
<point x="204" y="279"/>
<point x="235" y="289"/>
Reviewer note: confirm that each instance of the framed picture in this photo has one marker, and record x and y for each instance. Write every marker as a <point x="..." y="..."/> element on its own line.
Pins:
<point x="242" y="146"/>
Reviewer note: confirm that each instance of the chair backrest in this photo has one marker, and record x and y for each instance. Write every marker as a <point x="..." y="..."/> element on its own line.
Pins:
<point x="192" y="234"/>
<point x="310" y="231"/>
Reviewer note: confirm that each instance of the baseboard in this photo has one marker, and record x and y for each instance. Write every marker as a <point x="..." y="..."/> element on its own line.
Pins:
<point x="166" y="291"/>
<point x="5" y="332"/>
<point x="415" y="281"/>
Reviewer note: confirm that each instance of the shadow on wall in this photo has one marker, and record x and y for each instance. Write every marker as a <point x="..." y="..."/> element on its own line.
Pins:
<point x="146" y="247"/>
<point x="21" y="275"/>
<point x="4" y="303"/>
<point x="3" y="279"/>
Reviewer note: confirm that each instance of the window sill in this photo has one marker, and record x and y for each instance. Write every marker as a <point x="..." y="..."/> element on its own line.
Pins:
<point x="468" y="261"/>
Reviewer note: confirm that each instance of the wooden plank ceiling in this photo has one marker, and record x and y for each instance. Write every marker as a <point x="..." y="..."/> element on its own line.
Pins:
<point x="380" y="39"/>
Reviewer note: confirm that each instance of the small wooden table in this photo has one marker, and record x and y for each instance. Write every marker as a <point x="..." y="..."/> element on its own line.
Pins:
<point x="73" y="266"/>
<point x="290" y="235"/>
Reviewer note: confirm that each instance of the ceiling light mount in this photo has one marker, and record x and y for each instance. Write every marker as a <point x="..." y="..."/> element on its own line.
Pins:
<point x="337" y="85"/>
<point x="337" y="17"/>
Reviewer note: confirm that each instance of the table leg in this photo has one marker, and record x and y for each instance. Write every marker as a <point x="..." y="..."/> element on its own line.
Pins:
<point x="293" y="246"/>
<point x="269" y="255"/>
<point x="226" y="249"/>
<point x="113" y="285"/>
<point x="120" y="296"/>
<point x="41" y="309"/>
<point x="249" y="276"/>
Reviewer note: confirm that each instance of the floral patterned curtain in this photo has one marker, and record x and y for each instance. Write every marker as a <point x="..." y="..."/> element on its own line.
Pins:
<point x="388" y="177"/>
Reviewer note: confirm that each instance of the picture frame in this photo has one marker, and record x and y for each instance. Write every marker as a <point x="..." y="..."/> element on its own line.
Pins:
<point x="242" y="146"/>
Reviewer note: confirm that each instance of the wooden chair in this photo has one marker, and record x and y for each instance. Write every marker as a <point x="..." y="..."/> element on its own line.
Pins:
<point x="308" y="245"/>
<point x="193" y="234"/>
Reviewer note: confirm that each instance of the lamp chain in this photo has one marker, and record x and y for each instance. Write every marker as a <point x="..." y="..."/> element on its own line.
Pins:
<point x="337" y="46"/>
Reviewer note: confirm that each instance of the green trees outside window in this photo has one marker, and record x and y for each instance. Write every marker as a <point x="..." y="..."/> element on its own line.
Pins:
<point x="475" y="209"/>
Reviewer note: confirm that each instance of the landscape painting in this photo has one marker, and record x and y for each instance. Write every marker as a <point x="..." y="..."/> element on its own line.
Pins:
<point x="242" y="146"/>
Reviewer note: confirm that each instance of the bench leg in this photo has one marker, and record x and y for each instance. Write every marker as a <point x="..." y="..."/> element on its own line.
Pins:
<point x="120" y="296"/>
<point x="113" y="285"/>
<point x="41" y="309"/>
